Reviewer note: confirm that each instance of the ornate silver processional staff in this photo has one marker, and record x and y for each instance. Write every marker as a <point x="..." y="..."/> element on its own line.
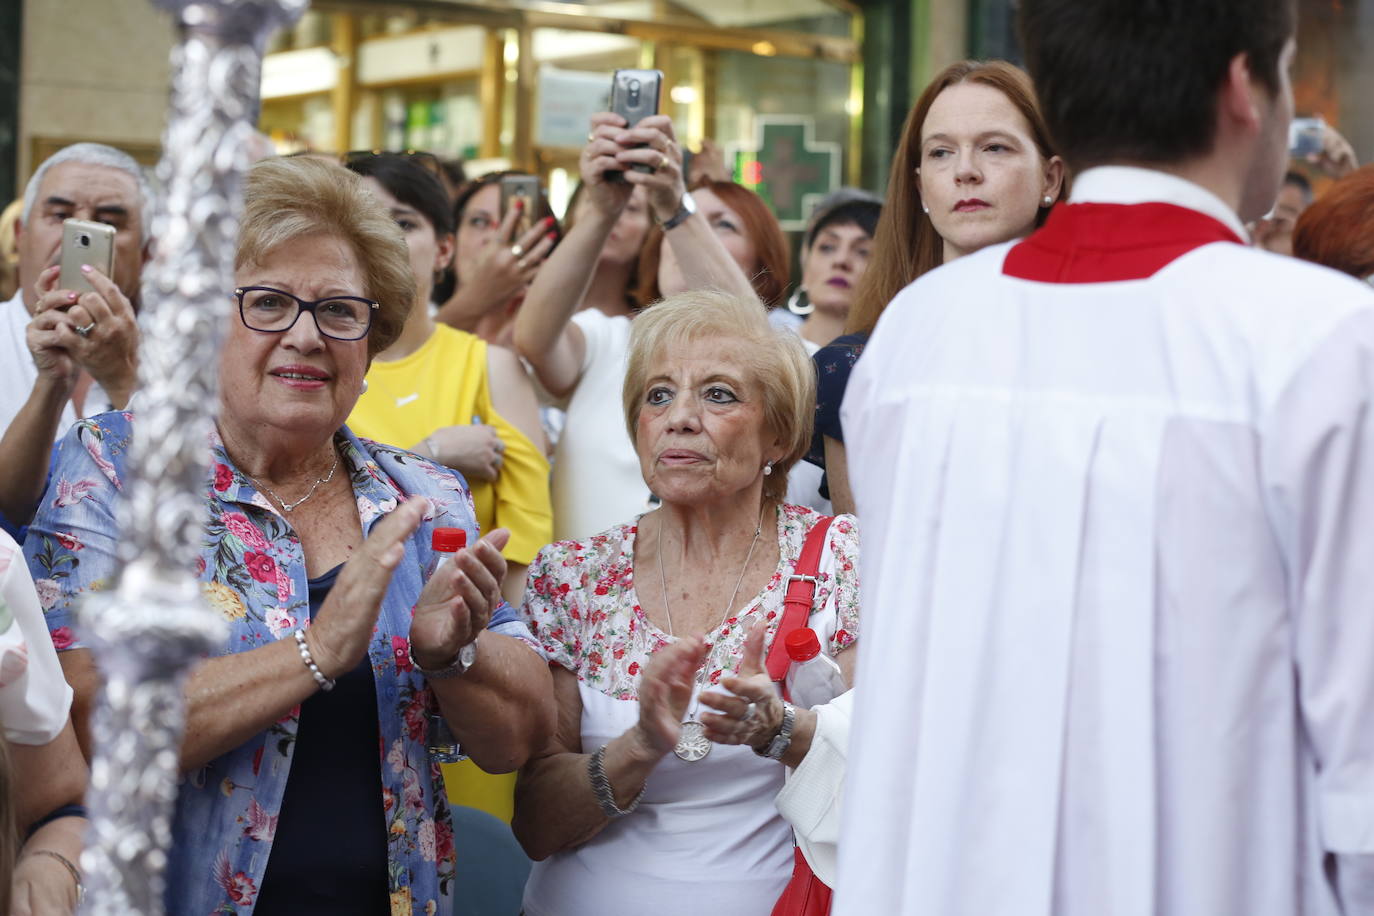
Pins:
<point x="148" y="631"/>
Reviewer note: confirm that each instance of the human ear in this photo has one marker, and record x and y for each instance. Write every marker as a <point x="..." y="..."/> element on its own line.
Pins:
<point x="1240" y="97"/>
<point x="1054" y="178"/>
<point x="443" y="256"/>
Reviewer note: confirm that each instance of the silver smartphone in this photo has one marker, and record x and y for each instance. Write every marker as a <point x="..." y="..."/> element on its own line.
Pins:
<point x="85" y="242"/>
<point x="634" y="96"/>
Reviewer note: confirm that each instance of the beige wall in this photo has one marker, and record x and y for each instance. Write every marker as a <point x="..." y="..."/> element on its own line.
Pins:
<point x="92" y="70"/>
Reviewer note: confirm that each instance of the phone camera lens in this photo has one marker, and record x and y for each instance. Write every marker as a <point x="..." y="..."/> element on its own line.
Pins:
<point x="634" y="85"/>
<point x="84" y="241"/>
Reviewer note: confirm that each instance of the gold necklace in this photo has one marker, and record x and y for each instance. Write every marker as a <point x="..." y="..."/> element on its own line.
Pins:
<point x="692" y="743"/>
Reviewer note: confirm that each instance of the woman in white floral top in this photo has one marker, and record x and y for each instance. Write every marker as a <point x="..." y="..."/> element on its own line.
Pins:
<point x="631" y="809"/>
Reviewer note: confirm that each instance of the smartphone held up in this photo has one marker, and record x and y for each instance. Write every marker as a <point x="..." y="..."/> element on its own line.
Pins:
<point x="85" y="242"/>
<point x="634" y="96"/>
<point x="524" y="190"/>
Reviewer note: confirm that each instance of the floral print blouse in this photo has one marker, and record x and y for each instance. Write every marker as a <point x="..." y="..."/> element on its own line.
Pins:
<point x="581" y="605"/>
<point x="252" y="571"/>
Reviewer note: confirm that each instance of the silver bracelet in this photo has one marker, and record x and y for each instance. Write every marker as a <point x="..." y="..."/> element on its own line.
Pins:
<point x="315" y="672"/>
<point x="601" y="787"/>
<point x="65" y="863"/>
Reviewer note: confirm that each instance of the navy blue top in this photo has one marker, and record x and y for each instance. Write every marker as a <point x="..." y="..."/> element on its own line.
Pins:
<point x="329" y="854"/>
<point x="833" y="365"/>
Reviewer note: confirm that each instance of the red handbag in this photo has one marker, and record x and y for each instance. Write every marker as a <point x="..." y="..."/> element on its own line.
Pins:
<point x="805" y="894"/>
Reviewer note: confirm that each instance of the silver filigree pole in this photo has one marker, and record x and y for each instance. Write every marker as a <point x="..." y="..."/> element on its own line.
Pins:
<point x="151" y="628"/>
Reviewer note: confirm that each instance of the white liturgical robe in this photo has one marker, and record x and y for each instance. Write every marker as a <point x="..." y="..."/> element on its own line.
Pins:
<point x="1117" y="489"/>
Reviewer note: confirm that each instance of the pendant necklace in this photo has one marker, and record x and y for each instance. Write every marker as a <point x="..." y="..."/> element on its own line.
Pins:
<point x="313" y="487"/>
<point x="692" y="743"/>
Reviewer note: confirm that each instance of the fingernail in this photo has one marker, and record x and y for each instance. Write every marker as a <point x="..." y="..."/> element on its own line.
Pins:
<point x="71" y="296"/>
<point x="552" y="236"/>
<point x="548" y="221"/>
<point x="85" y="268"/>
<point x="519" y="204"/>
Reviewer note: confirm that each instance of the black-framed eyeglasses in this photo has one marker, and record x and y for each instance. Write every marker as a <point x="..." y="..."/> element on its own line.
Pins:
<point x="274" y="311"/>
<point x="425" y="160"/>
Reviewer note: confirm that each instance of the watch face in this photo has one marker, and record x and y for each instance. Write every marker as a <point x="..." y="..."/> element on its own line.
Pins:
<point x="467" y="656"/>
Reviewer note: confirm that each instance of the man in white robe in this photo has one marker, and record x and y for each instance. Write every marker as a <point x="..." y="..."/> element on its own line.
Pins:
<point x="1117" y="489"/>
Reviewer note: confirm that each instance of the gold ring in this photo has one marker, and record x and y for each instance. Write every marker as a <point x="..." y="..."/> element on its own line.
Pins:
<point x="662" y="160"/>
<point x="591" y="137"/>
<point x="516" y="251"/>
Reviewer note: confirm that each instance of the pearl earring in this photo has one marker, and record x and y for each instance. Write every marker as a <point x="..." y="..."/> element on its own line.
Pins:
<point x="1048" y="200"/>
<point x="768" y="467"/>
<point x="364" y="386"/>
<point x="924" y="208"/>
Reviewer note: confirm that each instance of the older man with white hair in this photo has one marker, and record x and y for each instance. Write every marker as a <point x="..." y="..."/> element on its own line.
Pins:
<point x="66" y="354"/>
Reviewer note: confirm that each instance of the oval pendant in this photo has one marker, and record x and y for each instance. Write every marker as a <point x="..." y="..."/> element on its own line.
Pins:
<point x="692" y="743"/>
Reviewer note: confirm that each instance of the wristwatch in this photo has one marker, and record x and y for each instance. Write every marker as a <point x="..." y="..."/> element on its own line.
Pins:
<point x="465" y="659"/>
<point x="685" y="208"/>
<point x="783" y="739"/>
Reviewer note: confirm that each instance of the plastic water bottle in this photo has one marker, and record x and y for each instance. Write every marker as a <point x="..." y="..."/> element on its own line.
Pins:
<point x="813" y="678"/>
<point x="443" y="746"/>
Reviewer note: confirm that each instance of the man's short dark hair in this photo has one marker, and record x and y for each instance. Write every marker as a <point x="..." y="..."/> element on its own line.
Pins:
<point x="1137" y="80"/>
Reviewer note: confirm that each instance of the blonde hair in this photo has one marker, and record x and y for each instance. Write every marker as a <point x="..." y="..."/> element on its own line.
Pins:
<point x="775" y="358"/>
<point x="289" y="199"/>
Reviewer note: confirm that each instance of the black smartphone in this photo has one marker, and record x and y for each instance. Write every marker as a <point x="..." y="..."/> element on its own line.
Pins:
<point x="634" y="96"/>
<point x="524" y="188"/>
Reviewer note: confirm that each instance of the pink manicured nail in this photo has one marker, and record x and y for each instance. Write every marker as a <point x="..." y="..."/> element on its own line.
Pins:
<point x="71" y="296"/>
<point x="85" y="268"/>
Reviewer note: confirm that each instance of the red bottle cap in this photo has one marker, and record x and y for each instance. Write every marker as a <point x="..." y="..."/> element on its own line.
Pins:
<point x="802" y="645"/>
<point x="449" y="540"/>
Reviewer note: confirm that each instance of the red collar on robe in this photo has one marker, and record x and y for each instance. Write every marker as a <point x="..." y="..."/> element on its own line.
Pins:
<point x="1109" y="243"/>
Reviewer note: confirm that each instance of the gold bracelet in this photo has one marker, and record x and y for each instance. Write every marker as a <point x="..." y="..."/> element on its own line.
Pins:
<point x="67" y="864"/>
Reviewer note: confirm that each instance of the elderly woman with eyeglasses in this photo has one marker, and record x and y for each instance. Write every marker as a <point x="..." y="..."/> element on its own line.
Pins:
<point x="308" y="786"/>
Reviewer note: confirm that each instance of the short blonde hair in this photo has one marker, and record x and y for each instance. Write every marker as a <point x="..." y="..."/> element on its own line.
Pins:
<point x="288" y="199"/>
<point x="775" y="358"/>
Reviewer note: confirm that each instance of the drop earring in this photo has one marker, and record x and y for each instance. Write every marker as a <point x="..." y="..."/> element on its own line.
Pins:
<point x="768" y="467"/>
<point x="364" y="386"/>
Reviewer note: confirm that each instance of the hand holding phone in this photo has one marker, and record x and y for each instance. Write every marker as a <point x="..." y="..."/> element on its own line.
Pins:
<point x="85" y="242"/>
<point x="634" y="96"/>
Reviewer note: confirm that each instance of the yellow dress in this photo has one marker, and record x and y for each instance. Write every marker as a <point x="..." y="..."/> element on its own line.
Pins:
<point x="444" y="383"/>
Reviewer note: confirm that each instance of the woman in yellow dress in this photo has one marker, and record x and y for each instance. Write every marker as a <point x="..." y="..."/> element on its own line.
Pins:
<point x="448" y="395"/>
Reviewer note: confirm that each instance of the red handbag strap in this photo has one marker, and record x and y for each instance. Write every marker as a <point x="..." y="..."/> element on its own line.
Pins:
<point x="801" y="591"/>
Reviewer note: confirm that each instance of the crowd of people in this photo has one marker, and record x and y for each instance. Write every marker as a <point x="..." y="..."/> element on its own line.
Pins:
<point x="1088" y="371"/>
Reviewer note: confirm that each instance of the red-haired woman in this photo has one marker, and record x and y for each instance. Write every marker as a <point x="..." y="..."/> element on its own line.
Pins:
<point x="712" y="240"/>
<point x="974" y="167"/>
<point x="1338" y="230"/>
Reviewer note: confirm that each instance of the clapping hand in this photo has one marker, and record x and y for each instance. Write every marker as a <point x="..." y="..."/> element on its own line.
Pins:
<point x="665" y="689"/>
<point x="752" y="712"/>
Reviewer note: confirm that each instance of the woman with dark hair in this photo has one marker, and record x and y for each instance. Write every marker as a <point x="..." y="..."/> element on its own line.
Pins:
<point x="835" y="254"/>
<point x="974" y="167"/>
<point x="1338" y="229"/>
<point x="579" y="357"/>
<point x="493" y="263"/>
<point x="447" y="394"/>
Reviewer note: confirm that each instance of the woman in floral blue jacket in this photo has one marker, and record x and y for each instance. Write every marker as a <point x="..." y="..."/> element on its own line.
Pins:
<point x="298" y="797"/>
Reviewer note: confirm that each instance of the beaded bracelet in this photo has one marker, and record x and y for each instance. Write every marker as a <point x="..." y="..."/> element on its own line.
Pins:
<point x="324" y="682"/>
<point x="601" y="787"/>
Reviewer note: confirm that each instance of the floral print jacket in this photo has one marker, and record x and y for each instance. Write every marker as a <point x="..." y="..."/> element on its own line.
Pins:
<point x="252" y="570"/>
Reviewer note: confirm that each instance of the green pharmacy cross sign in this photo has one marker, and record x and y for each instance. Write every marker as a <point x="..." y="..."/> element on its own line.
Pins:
<point x="788" y="167"/>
